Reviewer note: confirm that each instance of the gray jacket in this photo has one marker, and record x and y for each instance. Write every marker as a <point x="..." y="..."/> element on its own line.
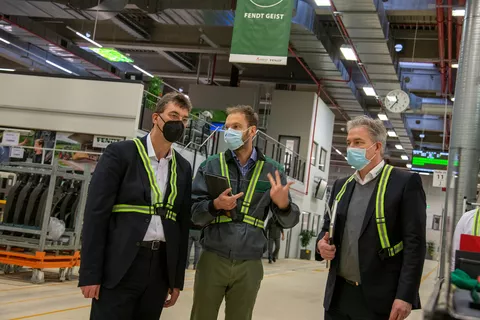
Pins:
<point x="238" y="240"/>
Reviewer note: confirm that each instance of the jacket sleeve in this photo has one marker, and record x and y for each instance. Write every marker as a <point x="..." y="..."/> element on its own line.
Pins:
<point x="203" y="211"/>
<point x="184" y="222"/>
<point x="413" y="224"/>
<point x="290" y="217"/>
<point x="326" y="222"/>
<point x="101" y="198"/>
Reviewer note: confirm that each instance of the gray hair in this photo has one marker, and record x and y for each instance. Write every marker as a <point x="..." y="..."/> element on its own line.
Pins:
<point x="377" y="130"/>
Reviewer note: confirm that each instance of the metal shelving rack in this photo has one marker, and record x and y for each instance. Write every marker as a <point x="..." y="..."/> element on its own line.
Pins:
<point x="42" y="252"/>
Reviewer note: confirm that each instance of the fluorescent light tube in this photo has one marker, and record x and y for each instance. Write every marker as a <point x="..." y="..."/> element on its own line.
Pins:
<point x="338" y="151"/>
<point x="346" y="158"/>
<point x="140" y="69"/>
<point x="392" y="133"/>
<point x="323" y="3"/>
<point x="399" y="146"/>
<point x="452" y="98"/>
<point x="7" y="70"/>
<point x="59" y="67"/>
<point x="7" y="42"/>
<point x="382" y="117"/>
<point x="404" y="157"/>
<point x="369" y="91"/>
<point x="348" y="52"/>
<point x="455" y="65"/>
<point x="85" y="37"/>
<point x="424" y="173"/>
<point x="409" y="165"/>
<point x="458" y="12"/>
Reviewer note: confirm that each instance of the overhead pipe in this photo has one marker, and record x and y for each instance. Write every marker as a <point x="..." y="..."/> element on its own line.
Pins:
<point x="319" y="90"/>
<point x="450" y="45"/>
<point x="459" y="29"/>
<point x="441" y="44"/>
<point x="350" y="71"/>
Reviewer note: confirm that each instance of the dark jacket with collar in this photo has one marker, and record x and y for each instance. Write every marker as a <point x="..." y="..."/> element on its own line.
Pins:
<point x="238" y="240"/>
<point x="110" y="240"/>
<point x="396" y="277"/>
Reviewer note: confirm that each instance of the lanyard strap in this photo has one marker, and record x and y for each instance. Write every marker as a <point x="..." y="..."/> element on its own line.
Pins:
<point x="157" y="194"/>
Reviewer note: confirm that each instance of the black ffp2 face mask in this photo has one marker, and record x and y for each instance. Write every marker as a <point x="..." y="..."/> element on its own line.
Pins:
<point x="172" y="130"/>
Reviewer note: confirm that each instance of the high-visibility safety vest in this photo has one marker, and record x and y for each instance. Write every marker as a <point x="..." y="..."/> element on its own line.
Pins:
<point x="476" y="224"/>
<point x="248" y="195"/>
<point x="157" y="201"/>
<point x="379" y="212"/>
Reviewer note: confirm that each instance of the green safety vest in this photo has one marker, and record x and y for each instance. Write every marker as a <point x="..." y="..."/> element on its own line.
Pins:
<point x="157" y="201"/>
<point x="248" y="196"/>
<point x="379" y="211"/>
<point x="476" y="224"/>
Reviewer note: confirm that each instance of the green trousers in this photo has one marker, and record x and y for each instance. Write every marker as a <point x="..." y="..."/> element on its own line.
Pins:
<point x="236" y="280"/>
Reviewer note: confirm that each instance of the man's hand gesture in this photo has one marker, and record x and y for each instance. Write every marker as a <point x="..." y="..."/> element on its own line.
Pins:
<point x="225" y="201"/>
<point x="279" y="192"/>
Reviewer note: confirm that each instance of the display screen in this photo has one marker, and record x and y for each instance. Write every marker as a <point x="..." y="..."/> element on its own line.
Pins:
<point x="429" y="161"/>
<point x="111" y="54"/>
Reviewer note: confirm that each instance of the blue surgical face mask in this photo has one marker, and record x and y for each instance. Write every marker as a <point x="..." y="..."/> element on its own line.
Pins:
<point x="234" y="139"/>
<point x="356" y="157"/>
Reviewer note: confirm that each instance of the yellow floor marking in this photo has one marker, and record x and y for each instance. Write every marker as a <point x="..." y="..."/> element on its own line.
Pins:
<point x="38" y="286"/>
<point x="51" y="312"/>
<point x="41" y="298"/>
<point x="428" y="274"/>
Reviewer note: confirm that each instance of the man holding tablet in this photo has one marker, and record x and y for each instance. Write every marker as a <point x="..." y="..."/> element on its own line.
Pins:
<point x="234" y="238"/>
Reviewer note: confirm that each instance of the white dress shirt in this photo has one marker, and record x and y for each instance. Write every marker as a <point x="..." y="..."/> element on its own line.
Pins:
<point x="371" y="175"/>
<point x="160" y="169"/>
<point x="464" y="226"/>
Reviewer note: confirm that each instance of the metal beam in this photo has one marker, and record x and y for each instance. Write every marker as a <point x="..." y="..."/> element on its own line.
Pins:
<point x="170" y="57"/>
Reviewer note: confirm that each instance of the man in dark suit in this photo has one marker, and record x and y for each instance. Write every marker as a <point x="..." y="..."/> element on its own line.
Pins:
<point x="137" y="217"/>
<point x="378" y="248"/>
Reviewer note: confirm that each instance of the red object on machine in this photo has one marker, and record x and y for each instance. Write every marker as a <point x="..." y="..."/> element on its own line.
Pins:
<point x="469" y="243"/>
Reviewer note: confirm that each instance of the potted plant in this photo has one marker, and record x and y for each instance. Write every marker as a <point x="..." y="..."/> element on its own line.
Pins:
<point x="430" y="250"/>
<point x="305" y="238"/>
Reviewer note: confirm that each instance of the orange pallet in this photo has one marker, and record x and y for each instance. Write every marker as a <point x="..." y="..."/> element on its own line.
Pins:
<point x="41" y="260"/>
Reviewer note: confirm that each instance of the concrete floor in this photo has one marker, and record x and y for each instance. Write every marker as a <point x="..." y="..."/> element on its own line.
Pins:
<point x="291" y="289"/>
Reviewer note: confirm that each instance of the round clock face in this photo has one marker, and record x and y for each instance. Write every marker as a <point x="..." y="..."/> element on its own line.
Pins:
<point x="397" y="101"/>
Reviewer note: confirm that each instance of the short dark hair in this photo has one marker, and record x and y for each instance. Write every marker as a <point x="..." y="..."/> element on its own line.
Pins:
<point x="177" y="98"/>
<point x="250" y="114"/>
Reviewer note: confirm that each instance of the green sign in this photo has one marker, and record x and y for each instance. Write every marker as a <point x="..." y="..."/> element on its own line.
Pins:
<point x="111" y="54"/>
<point x="262" y="31"/>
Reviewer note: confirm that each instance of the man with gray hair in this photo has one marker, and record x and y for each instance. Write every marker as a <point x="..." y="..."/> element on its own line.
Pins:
<point x="378" y="248"/>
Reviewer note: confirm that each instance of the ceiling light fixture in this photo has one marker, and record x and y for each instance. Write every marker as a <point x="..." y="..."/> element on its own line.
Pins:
<point x="391" y="133"/>
<point x="424" y="173"/>
<point x="369" y="91"/>
<point x="348" y="52"/>
<point x="338" y="151"/>
<point x="7" y="70"/>
<point x="382" y="117"/>
<point x="323" y="3"/>
<point x="404" y="157"/>
<point x="59" y="67"/>
<point x="7" y="42"/>
<point x="346" y="158"/>
<point x="453" y="99"/>
<point x="85" y="37"/>
<point x="140" y="69"/>
<point x="399" y="146"/>
<point x="458" y="12"/>
<point x="409" y="165"/>
<point x="455" y="65"/>
<point x="421" y="135"/>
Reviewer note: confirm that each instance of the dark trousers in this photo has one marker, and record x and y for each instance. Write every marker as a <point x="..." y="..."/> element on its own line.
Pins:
<point x="194" y="238"/>
<point x="273" y="254"/>
<point x="348" y="303"/>
<point x="141" y="293"/>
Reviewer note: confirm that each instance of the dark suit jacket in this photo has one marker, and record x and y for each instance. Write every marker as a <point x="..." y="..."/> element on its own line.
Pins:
<point x="396" y="277"/>
<point x="109" y="240"/>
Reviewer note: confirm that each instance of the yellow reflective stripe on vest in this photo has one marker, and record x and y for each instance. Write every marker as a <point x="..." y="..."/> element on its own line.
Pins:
<point x="476" y="224"/>
<point x="251" y="187"/>
<point x="344" y="188"/>
<point x="173" y="182"/>
<point x="379" y="211"/>
<point x="253" y="221"/>
<point x="380" y="207"/>
<point x="148" y="167"/>
<point x="224" y="168"/>
<point x="222" y="219"/>
<point x="143" y="210"/>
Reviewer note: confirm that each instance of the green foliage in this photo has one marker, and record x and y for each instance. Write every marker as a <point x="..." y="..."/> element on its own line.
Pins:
<point x="431" y="248"/>
<point x="155" y="89"/>
<point x="305" y="237"/>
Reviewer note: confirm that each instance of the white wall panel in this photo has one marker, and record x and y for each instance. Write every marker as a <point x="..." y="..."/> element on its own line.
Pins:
<point x="72" y="105"/>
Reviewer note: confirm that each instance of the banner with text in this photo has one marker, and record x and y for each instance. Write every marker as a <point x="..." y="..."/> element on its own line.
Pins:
<point x="261" y="31"/>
